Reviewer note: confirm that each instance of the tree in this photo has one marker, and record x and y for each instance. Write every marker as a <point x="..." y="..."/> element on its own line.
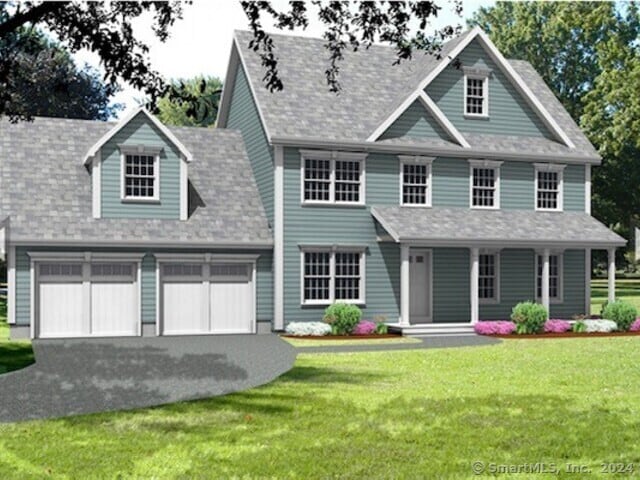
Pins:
<point x="194" y="102"/>
<point x="588" y="53"/>
<point x="46" y="82"/>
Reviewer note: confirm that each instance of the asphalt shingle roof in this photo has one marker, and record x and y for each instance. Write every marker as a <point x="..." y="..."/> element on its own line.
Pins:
<point x="46" y="190"/>
<point x="501" y="226"/>
<point x="371" y="89"/>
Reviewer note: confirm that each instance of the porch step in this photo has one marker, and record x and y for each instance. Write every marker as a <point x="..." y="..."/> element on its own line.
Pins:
<point x="426" y="329"/>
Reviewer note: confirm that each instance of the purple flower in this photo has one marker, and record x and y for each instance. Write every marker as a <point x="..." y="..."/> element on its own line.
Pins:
<point x="556" y="326"/>
<point x="365" y="327"/>
<point x="494" y="327"/>
<point x="635" y="326"/>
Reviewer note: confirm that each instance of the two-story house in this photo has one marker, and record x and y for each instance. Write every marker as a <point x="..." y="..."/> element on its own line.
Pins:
<point x="435" y="193"/>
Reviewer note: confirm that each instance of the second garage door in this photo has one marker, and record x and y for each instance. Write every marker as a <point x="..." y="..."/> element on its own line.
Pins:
<point x="207" y="298"/>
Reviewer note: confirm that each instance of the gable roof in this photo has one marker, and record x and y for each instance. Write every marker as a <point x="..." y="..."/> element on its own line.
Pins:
<point x="372" y="88"/>
<point x="95" y="148"/>
<point x="50" y="202"/>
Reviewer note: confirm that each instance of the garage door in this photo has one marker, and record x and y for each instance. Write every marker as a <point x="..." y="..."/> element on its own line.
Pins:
<point x="107" y="306"/>
<point x="207" y="298"/>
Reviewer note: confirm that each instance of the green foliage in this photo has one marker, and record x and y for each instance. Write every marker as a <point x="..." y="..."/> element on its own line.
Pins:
<point x="191" y="102"/>
<point x="529" y="317"/>
<point x="343" y="317"/>
<point x="381" y="329"/>
<point x="623" y="313"/>
<point x="579" y="327"/>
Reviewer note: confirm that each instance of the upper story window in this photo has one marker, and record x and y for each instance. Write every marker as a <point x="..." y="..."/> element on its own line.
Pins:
<point x="476" y="92"/>
<point x="415" y="181"/>
<point x="488" y="277"/>
<point x="330" y="275"/>
<point x="484" y="184"/>
<point x="140" y="173"/>
<point x="549" y="186"/>
<point x="332" y="177"/>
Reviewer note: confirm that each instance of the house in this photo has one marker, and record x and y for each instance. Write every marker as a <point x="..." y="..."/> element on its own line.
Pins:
<point x="435" y="193"/>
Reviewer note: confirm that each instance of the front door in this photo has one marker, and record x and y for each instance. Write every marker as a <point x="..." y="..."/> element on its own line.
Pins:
<point x="420" y="286"/>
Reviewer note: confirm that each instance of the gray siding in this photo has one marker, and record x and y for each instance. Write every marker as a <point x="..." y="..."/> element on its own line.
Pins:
<point x="574" y="177"/>
<point x="450" y="182"/>
<point x="415" y="122"/>
<point x="140" y="131"/>
<point x="264" y="281"/>
<point x="573" y="277"/>
<point x="509" y="113"/>
<point x="342" y="225"/>
<point x="243" y="116"/>
<point x="451" y="285"/>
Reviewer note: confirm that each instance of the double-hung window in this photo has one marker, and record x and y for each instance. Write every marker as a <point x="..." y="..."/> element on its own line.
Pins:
<point x="555" y="277"/>
<point x="415" y="181"/>
<point x="484" y="184"/>
<point x="140" y="173"/>
<point x="489" y="277"/>
<point x="549" y="186"/>
<point x="330" y="275"/>
<point x="476" y="92"/>
<point x="332" y="177"/>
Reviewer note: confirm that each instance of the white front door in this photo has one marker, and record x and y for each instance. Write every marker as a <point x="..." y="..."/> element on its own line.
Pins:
<point x="419" y="286"/>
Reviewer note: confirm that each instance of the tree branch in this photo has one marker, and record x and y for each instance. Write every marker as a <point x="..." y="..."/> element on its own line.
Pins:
<point x="30" y="16"/>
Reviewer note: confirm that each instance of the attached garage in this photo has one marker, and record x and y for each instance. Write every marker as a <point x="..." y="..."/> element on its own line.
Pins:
<point x="214" y="296"/>
<point x="86" y="298"/>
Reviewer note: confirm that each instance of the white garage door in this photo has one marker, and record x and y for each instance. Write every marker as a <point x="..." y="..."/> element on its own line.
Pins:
<point x="67" y="308"/>
<point x="207" y="298"/>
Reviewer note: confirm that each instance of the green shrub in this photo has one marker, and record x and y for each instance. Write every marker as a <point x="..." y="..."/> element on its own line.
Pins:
<point x="344" y="317"/>
<point x="529" y="317"/>
<point x="381" y="324"/>
<point x="579" y="327"/>
<point x="620" y="312"/>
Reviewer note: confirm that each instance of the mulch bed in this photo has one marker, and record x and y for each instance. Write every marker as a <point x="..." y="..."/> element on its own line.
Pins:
<point x="344" y="337"/>
<point x="569" y="335"/>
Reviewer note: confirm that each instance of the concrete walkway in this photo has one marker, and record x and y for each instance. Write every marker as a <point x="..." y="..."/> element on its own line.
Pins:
<point x="94" y="375"/>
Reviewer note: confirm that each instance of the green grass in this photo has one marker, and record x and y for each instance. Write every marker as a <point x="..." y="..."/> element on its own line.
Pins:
<point x="13" y="354"/>
<point x="410" y="414"/>
<point x="626" y="289"/>
<point x="309" y="342"/>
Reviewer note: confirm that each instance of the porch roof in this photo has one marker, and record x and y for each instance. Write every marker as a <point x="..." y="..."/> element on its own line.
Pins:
<point x="491" y="228"/>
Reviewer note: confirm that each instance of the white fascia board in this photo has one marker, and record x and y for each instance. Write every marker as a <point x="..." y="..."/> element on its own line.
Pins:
<point x="96" y="185"/>
<point x="184" y="189"/>
<point x="141" y="244"/>
<point x="228" y="87"/>
<point x="444" y="122"/>
<point x="172" y="138"/>
<point x="385" y="225"/>
<point x="554" y="244"/>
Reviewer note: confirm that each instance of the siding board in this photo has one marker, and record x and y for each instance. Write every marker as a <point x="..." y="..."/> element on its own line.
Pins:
<point x="415" y="122"/>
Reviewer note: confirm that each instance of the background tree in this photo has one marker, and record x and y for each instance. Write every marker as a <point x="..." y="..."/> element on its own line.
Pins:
<point x="193" y="102"/>
<point x="588" y="53"/>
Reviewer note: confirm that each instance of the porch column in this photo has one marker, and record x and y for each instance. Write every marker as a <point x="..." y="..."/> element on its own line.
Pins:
<point x="404" y="285"/>
<point x="475" y="270"/>
<point x="545" y="278"/>
<point x="612" y="274"/>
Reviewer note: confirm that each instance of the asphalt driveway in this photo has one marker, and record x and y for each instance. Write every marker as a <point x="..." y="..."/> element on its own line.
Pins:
<point x="93" y="375"/>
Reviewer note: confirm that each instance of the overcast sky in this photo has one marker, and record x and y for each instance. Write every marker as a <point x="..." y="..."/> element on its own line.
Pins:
<point x="201" y="41"/>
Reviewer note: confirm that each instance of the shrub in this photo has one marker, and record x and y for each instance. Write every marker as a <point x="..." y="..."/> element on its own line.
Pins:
<point x="556" y="326"/>
<point x="624" y="314"/>
<point x="344" y="317"/>
<point x="602" y="326"/>
<point x="635" y="326"/>
<point x="494" y="328"/>
<point x="381" y="324"/>
<point x="365" y="327"/>
<point x="529" y="317"/>
<point x="579" y="327"/>
<point x="304" y="329"/>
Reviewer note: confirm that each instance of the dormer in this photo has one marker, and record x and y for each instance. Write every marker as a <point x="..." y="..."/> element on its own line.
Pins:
<point x="139" y="169"/>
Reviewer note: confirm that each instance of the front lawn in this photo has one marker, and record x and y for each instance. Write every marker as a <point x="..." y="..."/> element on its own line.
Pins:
<point x="13" y="354"/>
<point x="626" y="289"/>
<point x="410" y="414"/>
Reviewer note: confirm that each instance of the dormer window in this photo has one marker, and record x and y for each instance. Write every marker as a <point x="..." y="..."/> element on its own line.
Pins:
<point x="476" y="92"/>
<point x="140" y="173"/>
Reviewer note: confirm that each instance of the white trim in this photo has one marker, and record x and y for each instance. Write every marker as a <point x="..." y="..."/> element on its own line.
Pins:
<point x="184" y="189"/>
<point x="416" y="160"/>
<point x="550" y="167"/>
<point x="473" y="290"/>
<point x="587" y="189"/>
<point x="228" y="86"/>
<point x="507" y="69"/>
<point x="497" y="254"/>
<point x="468" y="75"/>
<point x="611" y="275"/>
<point x="139" y="287"/>
<point x="552" y="253"/>
<point x="444" y="122"/>
<point x="489" y="165"/>
<point x="587" y="281"/>
<point x="204" y="257"/>
<point x="278" y="238"/>
<point x="86" y="295"/>
<point x="32" y="299"/>
<point x="96" y="177"/>
<point x="405" y="285"/>
<point x="165" y="131"/>
<point x="156" y="178"/>
<point x="11" y="287"/>
<point x="158" y="298"/>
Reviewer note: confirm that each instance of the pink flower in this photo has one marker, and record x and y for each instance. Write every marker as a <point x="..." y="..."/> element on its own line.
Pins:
<point x="635" y="326"/>
<point x="365" y="327"/>
<point x="556" y="326"/>
<point x="494" y="327"/>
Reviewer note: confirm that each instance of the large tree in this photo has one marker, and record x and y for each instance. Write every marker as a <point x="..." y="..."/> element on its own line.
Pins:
<point x="192" y="102"/>
<point x="588" y="53"/>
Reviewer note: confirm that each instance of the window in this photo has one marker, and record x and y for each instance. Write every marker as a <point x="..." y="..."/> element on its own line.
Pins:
<point x="182" y="270"/>
<point x="332" y="177"/>
<point x="60" y="270"/>
<point x="488" y="274"/>
<point x="140" y="177"/>
<point x="549" y="185"/>
<point x="476" y="96"/>
<point x="555" y="277"/>
<point x="329" y="276"/>
<point x="415" y="181"/>
<point x="485" y="184"/>
<point x="112" y="269"/>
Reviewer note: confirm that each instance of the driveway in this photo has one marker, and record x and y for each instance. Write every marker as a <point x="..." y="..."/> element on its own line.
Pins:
<point x="93" y="375"/>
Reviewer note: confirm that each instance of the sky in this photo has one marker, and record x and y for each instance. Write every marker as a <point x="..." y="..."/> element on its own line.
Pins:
<point x="200" y="43"/>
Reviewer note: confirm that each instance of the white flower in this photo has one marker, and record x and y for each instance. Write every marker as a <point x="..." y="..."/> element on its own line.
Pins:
<point x="602" y="326"/>
<point x="303" y="329"/>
